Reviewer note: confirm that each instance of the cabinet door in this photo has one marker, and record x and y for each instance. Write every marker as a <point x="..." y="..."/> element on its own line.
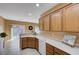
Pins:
<point x="48" y="53"/>
<point x="36" y="44"/>
<point x="59" y="52"/>
<point x="56" y="21"/>
<point x="71" y="18"/>
<point x="46" y="22"/>
<point x="49" y="49"/>
<point x="41" y="23"/>
<point x="31" y="42"/>
<point x="24" y="43"/>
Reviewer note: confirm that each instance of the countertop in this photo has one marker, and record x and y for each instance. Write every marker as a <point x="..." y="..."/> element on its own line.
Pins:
<point x="56" y="43"/>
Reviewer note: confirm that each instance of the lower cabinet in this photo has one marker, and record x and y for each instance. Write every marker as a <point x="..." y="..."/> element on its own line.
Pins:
<point x="36" y="44"/>
<point x="23" y="43"/>
<point x="59" y="52"/>
<point x="51" y="50"/>
<point x="41" y="46"/>
<point x="29" y="42"/>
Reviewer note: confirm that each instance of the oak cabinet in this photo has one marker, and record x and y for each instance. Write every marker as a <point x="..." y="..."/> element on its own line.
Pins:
<point x="46" y="22"/>
<point x="59" y="52"/>
<point x="29" y="42"/>
<point x="24" y="43"/>
<point x="51" y="50"/>
<point x="56" y="21"/>
<point x="71" y="18"/>
<point x="36" y="44"/>
<point x="55" y="53"/>
<point x="41" y="23"/>
<point x="65" y="19"/>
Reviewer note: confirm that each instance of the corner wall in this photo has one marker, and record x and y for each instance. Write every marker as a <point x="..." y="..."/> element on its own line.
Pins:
<point x="8" y="25"/>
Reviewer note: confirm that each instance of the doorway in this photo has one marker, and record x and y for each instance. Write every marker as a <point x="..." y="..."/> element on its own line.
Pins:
<point x="17" y="30"/>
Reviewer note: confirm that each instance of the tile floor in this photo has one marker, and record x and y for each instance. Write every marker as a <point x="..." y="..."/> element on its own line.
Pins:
<point x="29" y="51"/>
<point x="12" y="47"/>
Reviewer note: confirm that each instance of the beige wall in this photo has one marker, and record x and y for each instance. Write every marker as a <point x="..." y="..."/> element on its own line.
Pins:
<point x="59" y="35"/>
<point x="9" y="25"/>
<point x="2" y="23"/>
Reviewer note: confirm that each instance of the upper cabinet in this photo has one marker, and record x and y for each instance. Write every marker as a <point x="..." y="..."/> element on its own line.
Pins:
<point x="46" y="22"/>
<point x="64" y="19"/>
<point x="41" y="23"/>
<point x="56" y="21"/>
<point x="71" y="18"/>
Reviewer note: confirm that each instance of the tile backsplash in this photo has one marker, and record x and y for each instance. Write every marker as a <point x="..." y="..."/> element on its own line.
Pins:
<point x="59" y="35"/>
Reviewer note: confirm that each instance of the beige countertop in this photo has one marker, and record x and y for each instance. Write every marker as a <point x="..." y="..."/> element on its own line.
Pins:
<point x="56" y="43"/>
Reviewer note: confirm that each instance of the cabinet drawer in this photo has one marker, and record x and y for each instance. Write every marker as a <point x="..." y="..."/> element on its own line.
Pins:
<point x="49" y="50"/>
<point x="48" y="53"/>
<point x="49" y="46"/>
<point x="60" y="51"/>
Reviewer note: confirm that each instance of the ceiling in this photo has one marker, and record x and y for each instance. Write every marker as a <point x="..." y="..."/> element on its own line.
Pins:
<point x="27" y="12"/>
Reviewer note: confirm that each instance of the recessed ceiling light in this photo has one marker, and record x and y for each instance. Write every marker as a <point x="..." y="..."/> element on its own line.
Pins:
<point x="37" y="5"/>
<point x="30" y="14"/>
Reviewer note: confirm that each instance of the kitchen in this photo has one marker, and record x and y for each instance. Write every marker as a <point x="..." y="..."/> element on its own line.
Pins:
<point x="56" y="33"/>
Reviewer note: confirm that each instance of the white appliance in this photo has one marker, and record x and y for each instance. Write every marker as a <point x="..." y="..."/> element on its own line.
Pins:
<point x="42" y="47"/>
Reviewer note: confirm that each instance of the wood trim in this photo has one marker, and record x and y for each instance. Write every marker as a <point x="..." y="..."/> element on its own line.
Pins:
<point x="57" y="7"/>
<point x="41" y="19"/>
<point x="49" y="22"/>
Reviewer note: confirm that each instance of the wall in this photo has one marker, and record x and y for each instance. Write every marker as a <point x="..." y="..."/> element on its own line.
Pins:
<point x="9" y="25"/>
<point x="2" y="21"/>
